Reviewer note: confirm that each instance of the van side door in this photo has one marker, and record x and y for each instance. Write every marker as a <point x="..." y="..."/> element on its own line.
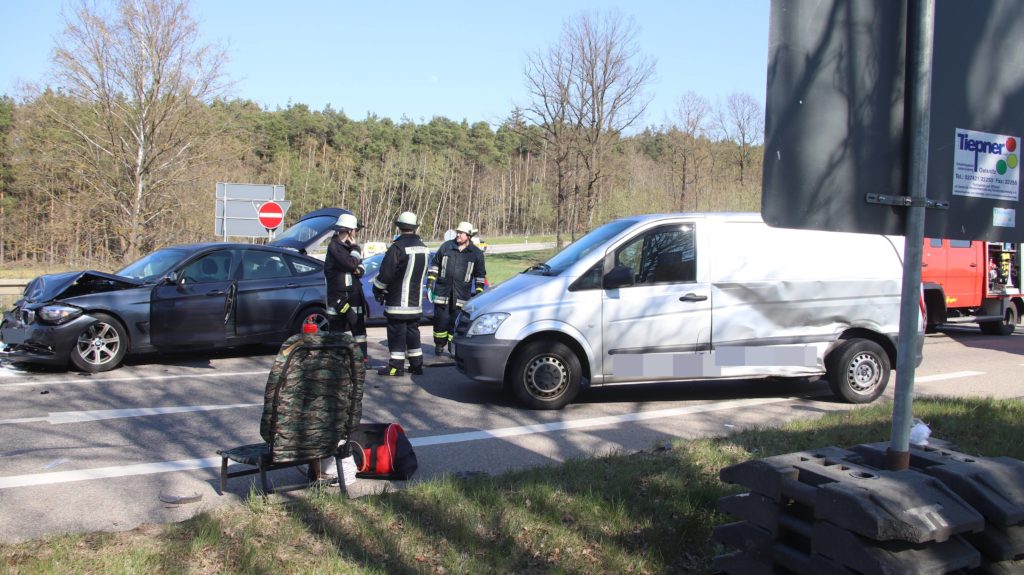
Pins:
<point x="933" y="261"/>
<point x="654" y="303"/>
<point x="967" y="273"/>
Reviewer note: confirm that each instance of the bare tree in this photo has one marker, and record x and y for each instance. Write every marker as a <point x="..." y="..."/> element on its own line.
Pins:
<point x="741" y="120"/>
<point x="142" y="82"/>
<point x="550" y="83"/>
<point x="693" y="113"/>
<point x="611" y="77"/>
<point x="585" y="90"/>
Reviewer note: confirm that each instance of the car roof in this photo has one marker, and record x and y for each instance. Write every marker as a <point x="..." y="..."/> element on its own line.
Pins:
<point x="195" y="248"/>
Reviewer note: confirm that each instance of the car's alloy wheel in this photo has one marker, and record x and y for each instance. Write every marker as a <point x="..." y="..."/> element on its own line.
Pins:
<point x="101" y="346"/>
<point x="315" y="314"/>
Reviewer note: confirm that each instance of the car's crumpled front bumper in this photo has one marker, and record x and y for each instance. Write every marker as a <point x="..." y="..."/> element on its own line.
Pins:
<point x="38" y="342"/>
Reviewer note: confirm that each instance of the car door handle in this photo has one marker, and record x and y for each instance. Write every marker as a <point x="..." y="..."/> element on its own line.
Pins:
<point x="693" y="297"/>
<point x="293" y="285"/>
<point x="215" y="292"/>
<point x="973" y="265"/>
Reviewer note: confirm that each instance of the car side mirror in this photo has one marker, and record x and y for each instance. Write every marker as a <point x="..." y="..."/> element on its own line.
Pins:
<point x="620" y="276"/>
<point x="175" y="278"/>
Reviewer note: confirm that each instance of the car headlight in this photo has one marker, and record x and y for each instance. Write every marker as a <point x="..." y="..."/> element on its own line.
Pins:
<point x="486" y="324"/>
<point x="59" y="313"/>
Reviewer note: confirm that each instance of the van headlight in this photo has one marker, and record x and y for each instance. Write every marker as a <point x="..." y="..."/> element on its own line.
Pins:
<point x="486" y="324"/>
<point x="59" y="313"/>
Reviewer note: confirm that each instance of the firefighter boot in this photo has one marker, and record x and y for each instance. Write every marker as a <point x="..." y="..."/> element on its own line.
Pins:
<point x="416" y="365"/>
<point x="393" y="369"/>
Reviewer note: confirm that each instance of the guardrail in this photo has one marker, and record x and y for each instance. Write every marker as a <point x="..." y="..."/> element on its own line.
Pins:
<point x="12" y="286"/>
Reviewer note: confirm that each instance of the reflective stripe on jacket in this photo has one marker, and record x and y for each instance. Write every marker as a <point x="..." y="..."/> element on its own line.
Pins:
<point x="401" y="274"/>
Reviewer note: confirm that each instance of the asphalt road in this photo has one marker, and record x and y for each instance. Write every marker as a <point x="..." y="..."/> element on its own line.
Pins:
<point x="96" y="453"/>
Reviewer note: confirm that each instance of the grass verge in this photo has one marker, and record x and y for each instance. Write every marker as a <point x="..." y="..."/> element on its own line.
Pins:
<point x="647" y="512"/>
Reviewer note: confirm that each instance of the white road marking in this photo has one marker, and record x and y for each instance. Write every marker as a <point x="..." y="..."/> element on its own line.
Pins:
<point x="945" y="376"/>
<point x="35" y="383"/>
<point x="594" y="421"/>
<point x="36" y="479"/>
<point x="101" y="414"/>
<point x="106" y="472"/>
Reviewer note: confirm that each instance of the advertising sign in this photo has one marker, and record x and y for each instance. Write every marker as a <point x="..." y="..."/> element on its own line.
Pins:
<point x="985" y="166"/>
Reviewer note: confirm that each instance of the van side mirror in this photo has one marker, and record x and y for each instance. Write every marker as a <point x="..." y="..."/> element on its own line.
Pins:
<point x="620" y="276"/>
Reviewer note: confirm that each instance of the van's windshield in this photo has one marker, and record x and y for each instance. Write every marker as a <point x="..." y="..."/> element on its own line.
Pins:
<point x="575" y="251"/>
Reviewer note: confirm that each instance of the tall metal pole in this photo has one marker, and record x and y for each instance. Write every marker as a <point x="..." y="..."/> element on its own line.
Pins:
<point x="920" y="79"/>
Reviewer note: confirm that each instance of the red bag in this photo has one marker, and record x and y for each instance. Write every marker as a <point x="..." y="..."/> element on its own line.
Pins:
<point x="382" y="451"/>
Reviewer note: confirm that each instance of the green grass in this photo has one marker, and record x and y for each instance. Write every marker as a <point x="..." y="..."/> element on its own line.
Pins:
<point x="647" y="512"/>
<point x="520" y="239"/>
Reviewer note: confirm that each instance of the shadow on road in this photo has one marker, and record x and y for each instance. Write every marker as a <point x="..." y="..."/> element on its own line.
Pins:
<point x="970" y="336"/>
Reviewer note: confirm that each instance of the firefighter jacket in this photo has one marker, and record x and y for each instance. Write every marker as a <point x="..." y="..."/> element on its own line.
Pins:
<point x="401" y="276"/>
<point x="455" y="272"/>
<point x="342" y="270"/>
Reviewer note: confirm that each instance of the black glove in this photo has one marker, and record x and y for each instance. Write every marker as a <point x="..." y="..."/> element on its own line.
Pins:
<point x="379" y="295"/>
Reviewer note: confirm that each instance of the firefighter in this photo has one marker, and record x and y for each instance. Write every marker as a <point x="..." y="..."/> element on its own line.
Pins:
<point x="399" y="288"/>
<point x="343" y="267"/>
<point x="456" y="274"/>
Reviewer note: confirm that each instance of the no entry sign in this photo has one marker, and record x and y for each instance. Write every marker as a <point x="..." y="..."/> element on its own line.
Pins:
<point x="270" y="215"/>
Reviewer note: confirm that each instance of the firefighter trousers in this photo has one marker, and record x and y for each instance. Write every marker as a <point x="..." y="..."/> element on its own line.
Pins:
<point x="404" y="342"/>
<point x="444" y="322"/>
<point x="348" y="316"/>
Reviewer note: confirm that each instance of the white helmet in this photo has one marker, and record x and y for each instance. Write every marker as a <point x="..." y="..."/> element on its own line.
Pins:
<point x="346" y="221"/>
<point x="466" y="228"/>
<point x="406" y="221"/>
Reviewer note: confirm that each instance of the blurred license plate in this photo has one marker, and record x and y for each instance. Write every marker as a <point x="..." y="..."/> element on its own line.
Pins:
<point x="12" y="337"/>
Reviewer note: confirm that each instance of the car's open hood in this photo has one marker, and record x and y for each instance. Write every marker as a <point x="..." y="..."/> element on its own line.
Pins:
<point x="68" y="284"/>
<point x="310" y="230"/>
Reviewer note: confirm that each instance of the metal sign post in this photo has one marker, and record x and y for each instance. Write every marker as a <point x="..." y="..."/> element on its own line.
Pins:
<point x="898" y="454"/>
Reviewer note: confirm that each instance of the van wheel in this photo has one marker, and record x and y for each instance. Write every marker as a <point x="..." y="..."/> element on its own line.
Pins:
<point x="101" y="346"/>
<point x="1004" y="327"/>
<point x="857" y="370"/>
<point x="546" y="375"/>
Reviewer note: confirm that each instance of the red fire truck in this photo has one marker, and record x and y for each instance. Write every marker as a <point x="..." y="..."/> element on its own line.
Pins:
<point x="972" y="281"/>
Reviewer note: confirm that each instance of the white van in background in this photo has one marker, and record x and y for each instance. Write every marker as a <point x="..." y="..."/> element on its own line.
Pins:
<point x="691" y="296"/>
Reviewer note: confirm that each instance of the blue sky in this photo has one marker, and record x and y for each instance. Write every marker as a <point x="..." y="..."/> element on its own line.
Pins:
<point x="462" y="60"/>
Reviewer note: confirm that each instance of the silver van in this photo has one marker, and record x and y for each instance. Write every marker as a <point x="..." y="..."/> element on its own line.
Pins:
<point x="672" y="297"/>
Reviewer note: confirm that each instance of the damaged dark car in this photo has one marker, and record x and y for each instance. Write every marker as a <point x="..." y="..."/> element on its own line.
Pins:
<point x="196" y="296"/>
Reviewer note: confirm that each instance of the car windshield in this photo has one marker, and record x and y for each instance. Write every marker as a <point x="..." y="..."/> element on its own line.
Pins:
<point x="580" y="248"/>
<point x="154" y="266"/>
